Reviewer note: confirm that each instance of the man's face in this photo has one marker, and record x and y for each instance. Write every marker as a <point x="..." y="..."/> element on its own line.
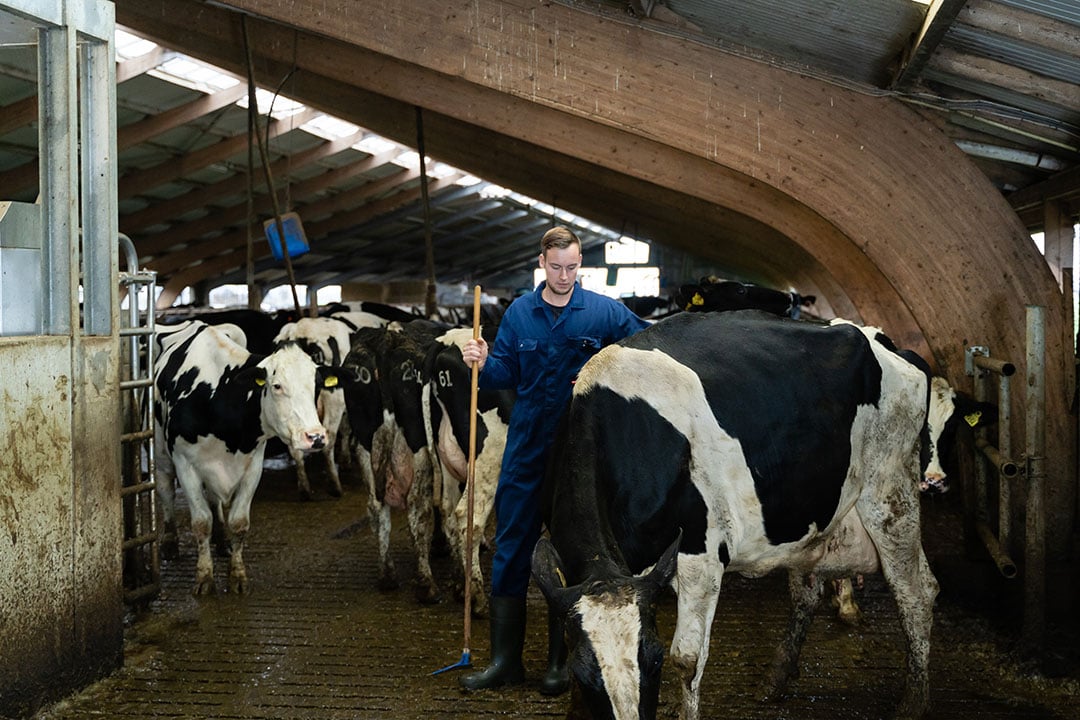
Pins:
<point x="560" y="267"/>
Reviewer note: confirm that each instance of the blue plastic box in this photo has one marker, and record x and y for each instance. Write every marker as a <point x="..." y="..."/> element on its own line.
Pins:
<point x="295" y="240"/>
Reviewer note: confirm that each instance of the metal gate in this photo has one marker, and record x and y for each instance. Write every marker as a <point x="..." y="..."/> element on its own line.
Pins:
<point x="142" y="571"/>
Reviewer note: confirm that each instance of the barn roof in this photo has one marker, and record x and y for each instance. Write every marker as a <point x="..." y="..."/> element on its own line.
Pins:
<point x="999" y="77"/>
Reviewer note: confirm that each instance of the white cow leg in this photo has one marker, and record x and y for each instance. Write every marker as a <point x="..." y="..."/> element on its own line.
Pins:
<point x="331" y="464"/>
<point x="844" y="599"/>
<point x="482" y="505"/>
<point x="239" y="522"/>
<point x="302" y="484"/>
<point x="914" y="587"/>
<point x="806" y="591"/>
<point x="388" y="579"/>
<point x="421" y="527"/>
<point x="201" y="525"/>
<point x="170" y="544"/>
<point x="238" y="579"/>
<point x="379" y="515"/>
<point x="698" y="589"/>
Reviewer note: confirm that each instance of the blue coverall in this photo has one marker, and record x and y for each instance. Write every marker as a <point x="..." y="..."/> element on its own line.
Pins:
<point x="539" y="356"/>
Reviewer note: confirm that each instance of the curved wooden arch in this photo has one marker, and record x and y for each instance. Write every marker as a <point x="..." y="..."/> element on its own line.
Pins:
<point x="780" y="175"/>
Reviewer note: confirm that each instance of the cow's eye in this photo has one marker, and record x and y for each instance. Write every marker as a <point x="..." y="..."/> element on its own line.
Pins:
<point x="277" y="387"/>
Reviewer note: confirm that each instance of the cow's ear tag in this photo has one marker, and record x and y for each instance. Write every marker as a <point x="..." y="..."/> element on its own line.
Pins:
<point x="697" y="299"/>
<point x="973" y="418"/>
<point x="330" y="381"/>
<point x="562" y="578"/>
<point x="260" y="381"/>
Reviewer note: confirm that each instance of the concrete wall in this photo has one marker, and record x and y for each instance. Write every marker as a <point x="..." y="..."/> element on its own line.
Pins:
<point x="61" y="609"/>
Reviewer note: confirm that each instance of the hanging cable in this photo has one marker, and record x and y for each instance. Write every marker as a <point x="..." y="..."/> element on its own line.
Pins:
<point x="266" y="169"/>
<point x="429" y="301"/>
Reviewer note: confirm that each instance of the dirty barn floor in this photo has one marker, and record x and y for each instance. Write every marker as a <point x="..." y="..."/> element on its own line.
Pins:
<point x="315" y="639"/>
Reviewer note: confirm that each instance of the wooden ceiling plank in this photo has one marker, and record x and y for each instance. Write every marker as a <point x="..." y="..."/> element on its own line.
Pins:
<point x="142" y="130"/>
<point x="998" y="74"/>
<point x="1065" y="186"/>
<point x="137" y="66"/>
<point x="18" y="114"/>
<point x="140" y="181"/>
<point x="1021" y="25"/>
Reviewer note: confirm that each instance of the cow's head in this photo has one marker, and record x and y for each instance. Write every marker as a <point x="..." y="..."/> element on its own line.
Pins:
<point x="949" y="410"/>
<point x="289" y="381"/>
<point x="615" y="654"/>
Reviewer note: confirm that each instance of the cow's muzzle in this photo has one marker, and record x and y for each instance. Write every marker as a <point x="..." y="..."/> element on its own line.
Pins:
<point x="933" y="484"/>
<point x="313" y="440"/>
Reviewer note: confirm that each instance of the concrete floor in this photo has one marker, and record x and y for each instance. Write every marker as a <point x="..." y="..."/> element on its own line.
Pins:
<point x="315" y="639"/>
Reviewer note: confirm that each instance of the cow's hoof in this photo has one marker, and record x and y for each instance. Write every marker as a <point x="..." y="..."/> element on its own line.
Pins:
<point x="912" y="706"/>
<point x="387" y="582"/>
<point x="239" y="585"/>
<point x="479" y="606"/>
<point x="335" y="490"/>
<point x="170" y="548"/>
<point x="204" y="587"/>
<point x="776" y="685"/>
<point x="851" y="616"/>
<point x="305" y="494"/>
<point x="428" y="594"/>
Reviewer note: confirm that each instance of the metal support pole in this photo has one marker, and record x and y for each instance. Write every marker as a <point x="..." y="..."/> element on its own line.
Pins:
<point x="1034" y="625"/>
<point x="979" y="364"/>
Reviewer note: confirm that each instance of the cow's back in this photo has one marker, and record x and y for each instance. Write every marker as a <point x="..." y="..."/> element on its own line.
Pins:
<point x="793" y="396"/>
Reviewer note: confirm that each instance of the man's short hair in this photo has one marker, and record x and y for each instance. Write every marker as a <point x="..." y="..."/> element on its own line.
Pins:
<point x="558" y="237"/>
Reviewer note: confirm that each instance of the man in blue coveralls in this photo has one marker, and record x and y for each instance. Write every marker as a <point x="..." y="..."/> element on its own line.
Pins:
<point x="544" y="338"/>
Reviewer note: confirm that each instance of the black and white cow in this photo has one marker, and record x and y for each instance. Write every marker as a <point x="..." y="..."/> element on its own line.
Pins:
<point x="327" y="340"/>
<point x="740" y="442"/>
<point x="216" y="406"/>
<point x="712" y="294"/>
<point x="259" y="327"/>
<point x="384" y="396"/>
<point x="449" y="382"/>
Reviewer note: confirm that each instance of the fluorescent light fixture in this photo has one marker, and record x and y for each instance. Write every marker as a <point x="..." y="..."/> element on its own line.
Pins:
<point x="468" y="181"/>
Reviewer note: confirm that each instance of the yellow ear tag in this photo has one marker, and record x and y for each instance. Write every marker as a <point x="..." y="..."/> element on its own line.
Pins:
<point x="562" y="578"/>
<point x="330" y="381"/>
<point x="697" y="299"/>
<point x="260" y="381"/>
<point x="973" y="418"/>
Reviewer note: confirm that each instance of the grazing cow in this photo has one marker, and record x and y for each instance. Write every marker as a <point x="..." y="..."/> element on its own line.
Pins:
<point x="449" y="382"/>
<point x="217" y="404"/>
<point x="712" y="294"/>
<point x="385" y="373"/>
<point x="327" y="340"/>
<point x="731" y="441"/>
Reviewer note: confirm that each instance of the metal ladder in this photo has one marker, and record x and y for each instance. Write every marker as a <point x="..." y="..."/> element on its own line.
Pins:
<point x="142" y="568"/>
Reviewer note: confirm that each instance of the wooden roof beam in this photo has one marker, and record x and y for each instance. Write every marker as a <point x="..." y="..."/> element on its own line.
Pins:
<point x="237" y="214"/>
<point x="939" y="17"/>
<point x="139" y="181"/>
<point x="142" y="130"/>
<point x="165" y="210"/>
